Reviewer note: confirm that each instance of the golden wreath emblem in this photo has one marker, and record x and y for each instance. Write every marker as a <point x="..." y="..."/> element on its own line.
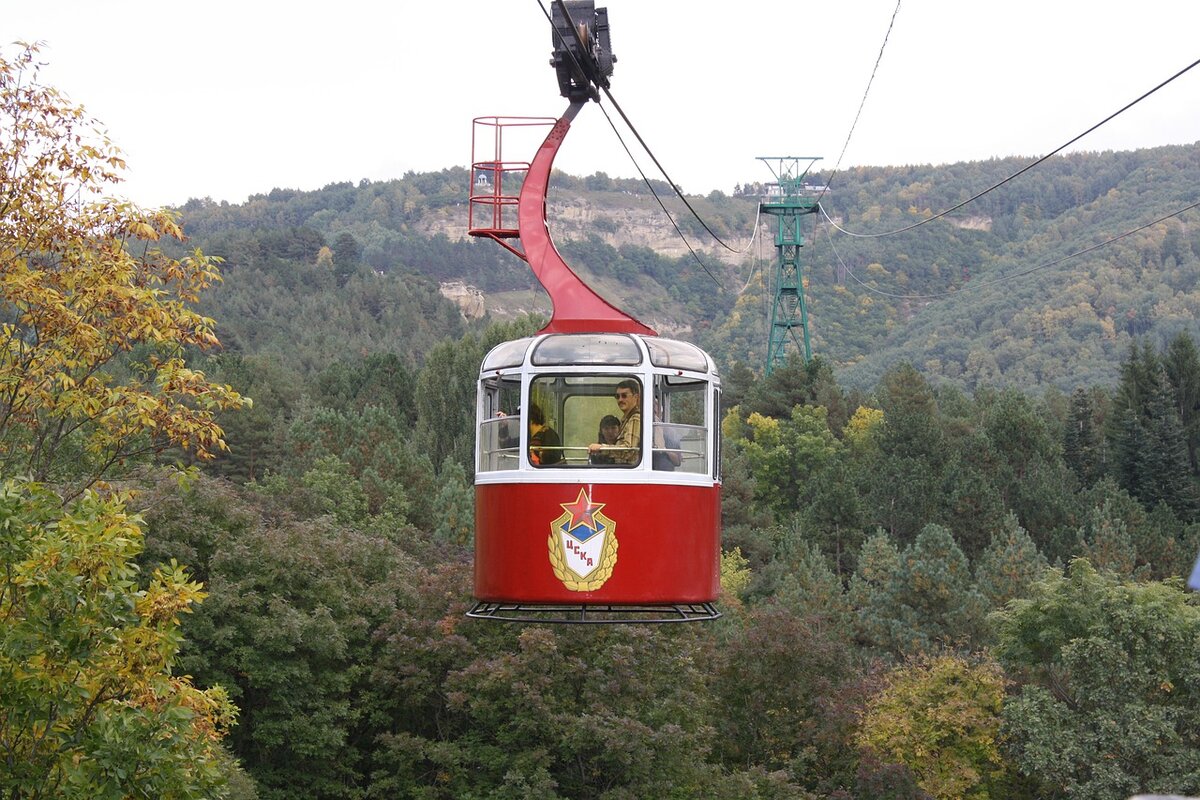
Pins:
<point x="583" y="544"/>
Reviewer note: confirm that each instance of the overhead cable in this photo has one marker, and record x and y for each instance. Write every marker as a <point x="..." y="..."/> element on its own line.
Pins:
<point x="1004" y="278"/>
<point x="1021" y="171"/>
<point x="861" y="103"/>
<point x="634" y="160"/>
<point x="660" y="202"/>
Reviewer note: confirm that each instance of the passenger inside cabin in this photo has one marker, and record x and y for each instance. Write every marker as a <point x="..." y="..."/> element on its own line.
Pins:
<point x="628" y="447"/>
<point x="545" y="447"/>
<point x="610" y="428"/>
<point x="666" y="454"/>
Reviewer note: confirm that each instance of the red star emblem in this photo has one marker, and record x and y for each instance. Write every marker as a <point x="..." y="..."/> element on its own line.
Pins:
<point x="582" y="511"/>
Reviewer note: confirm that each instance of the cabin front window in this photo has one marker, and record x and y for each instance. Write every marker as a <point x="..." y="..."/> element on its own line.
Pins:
<point x="587" y="421"/>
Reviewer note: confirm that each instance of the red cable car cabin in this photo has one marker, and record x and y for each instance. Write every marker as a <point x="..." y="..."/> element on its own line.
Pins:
<point x="569" y="519"/>
<point x="570" y="528"/>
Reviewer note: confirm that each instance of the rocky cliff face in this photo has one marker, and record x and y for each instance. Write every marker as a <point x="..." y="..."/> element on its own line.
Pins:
<point x="640" y="223"/>
<point x="470" y="301"/>
<point x="577" y="218"/>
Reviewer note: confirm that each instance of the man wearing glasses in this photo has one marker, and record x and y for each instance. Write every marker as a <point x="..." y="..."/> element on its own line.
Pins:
<point x="628" y="447"/>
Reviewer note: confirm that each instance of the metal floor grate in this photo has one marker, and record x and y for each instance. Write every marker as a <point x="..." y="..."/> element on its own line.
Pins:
<point x="594" y="614"/>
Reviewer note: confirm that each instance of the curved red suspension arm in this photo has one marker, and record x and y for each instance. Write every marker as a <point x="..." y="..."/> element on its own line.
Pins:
<point x="577" y="309"/>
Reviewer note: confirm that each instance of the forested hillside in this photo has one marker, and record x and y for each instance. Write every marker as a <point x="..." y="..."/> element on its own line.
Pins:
<point x="966" y="298"/>
<point x="953" y="544"/>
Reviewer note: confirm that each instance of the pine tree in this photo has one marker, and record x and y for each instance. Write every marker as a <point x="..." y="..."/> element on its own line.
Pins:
<point x="1009" y="565"/>
<point x="1182" y="361"/>
<point x="1082" y="443"/>
<point x="927" y="598"/>
<point x="1126" y="429"/>
<point x="1165" y="471"/>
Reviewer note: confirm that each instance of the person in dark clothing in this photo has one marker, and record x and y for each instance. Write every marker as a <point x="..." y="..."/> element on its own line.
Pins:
<point x="545" y="448"/>
<point x="610" y="428"/>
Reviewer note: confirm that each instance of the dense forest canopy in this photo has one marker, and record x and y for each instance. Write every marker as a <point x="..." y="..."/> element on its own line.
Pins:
<point x="953" y="543"/>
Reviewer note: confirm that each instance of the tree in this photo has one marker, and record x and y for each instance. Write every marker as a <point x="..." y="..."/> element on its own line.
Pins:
<point x="775" y="684"/>
<point x="1149" y="441"/>
<point x="379" y="379"/>
<point x="911" y="601"/>
<point x="1182" y="362"/>
<point x="1082" y="442"/>
<point x="288" y="630"/>
<point x="89" y="704"/>
<point x="940" y="717"/>
<point x="256" y="434"/>
<point x="1009" y="565"/>
<point x="797" y="383"/>
<point x="783" y="454"/>
<point x="904" y="475"/>
<point x="456" y="507"/>
<point x="1164" y="467"/>
<point x="544" y="711"/>
<point x="1110" y="686"/>
<point x="95" y="317"/>
<point x="445" y="392"/>
<point x="93" y="323"/>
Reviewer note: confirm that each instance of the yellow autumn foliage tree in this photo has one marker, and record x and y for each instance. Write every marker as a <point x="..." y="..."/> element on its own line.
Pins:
<point x="940" y="717"/>
<point x="94" y="323"/>
<point x="94" y="316"/>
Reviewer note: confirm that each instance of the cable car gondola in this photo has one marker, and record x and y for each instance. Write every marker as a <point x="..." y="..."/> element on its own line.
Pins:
<point x="569" y="528"/>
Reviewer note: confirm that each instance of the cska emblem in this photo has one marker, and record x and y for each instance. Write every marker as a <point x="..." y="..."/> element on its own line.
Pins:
<point x="583" y="544"/>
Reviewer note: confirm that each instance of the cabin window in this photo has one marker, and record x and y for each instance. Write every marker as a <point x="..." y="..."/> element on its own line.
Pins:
<point x="680" y="430"/>
<point x="573" y="410"/>
<point x="677" y="355"/>
<point x="500" y="428"/>
<point x="508" y="354"/>
<point x="613" y="349"/>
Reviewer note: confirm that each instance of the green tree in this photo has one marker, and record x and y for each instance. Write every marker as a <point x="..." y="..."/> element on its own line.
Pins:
<point x="445" y="392"/>
<point x="1082" y="440"/>
<point x="878" y="561"/>
<point x="288" y="630"/>
<point x="379" y="379"/>
<point x="255" y="435"/>
<point x="1164" y="467"/>
<point x="1182" y="362"/>
<point x="834" y="515"/>
<point x="904" y="476"/>
<point x="473" y="711"/>
<point x="797" y="383"/>
<point x="347" y="257"/>
<point x="90" y="705"/>
<point x="1148" y="438"/>
<point x="384" y="464"/>
<point x="1009" y="565"/>
<point x="783" y="454"/>
<point x="775" y="684"/>
<point x="455" y="507"/>
<point x="912" y="601"/>
<point x="1109" y="685"/>
<point x="1105" y="541"/>
<point x="744" y="521"/>
<point x="973" y="483"/>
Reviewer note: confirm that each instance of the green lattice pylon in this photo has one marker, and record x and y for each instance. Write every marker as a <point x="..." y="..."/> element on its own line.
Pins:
<point x="791" y="201"/>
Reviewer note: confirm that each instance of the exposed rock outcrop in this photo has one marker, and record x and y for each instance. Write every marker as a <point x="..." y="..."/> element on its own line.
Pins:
<point x="470" y="300"/>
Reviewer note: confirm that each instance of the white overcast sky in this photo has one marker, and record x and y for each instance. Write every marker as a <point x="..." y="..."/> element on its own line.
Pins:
<point x="227" y="99"/>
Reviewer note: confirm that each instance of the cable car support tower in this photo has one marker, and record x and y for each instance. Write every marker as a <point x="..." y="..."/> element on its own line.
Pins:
<point x="792" y="202"/>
